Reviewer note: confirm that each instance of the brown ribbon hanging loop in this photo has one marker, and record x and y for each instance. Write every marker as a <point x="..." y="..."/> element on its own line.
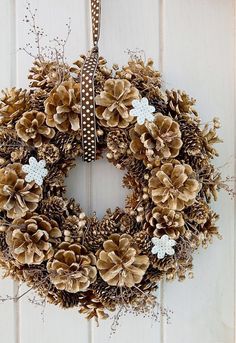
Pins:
<point x="88" y="118"/>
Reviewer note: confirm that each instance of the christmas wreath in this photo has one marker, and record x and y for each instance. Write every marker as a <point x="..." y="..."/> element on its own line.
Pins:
<point x="154" y="135"/>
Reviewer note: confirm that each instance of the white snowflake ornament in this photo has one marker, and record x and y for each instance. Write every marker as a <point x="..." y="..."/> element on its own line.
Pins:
<point x="142" y="110"/>
<point x="35" y="171"/>
<point x="163" y="246"/>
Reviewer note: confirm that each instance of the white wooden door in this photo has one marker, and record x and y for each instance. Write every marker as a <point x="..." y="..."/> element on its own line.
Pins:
<point x="192" y="43"/>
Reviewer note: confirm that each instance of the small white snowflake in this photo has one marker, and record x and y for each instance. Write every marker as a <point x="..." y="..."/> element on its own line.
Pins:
<point x="163" y="246"/>
<point x="35" y="171"/>
<point x="142" y="110"/>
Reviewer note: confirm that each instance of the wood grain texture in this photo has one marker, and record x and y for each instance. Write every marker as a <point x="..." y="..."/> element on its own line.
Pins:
<point x="52" y="324"/>
<point x="193" y="43"/>
<point x="199" y="57"/>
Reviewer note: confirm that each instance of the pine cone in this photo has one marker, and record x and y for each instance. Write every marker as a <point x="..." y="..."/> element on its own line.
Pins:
<point x="49" y="153"/>
<point x="16" y="195"/>
<point x="31" y="128"/>
<point x="127" y="224"/>
<point x="143" y="241"/>
<point x="13" y="103"/>
<point x="54" y="207"/>
<point x="10" y="268"/>
<point x="63" y="107"/>
<point x="210" y="229"/>
<point x="73" y="207"/>
<point x="3" y="243"/>
<point x="73" y="228"/>
<point x="157" y="140"/>
<point x="117" y="144"/>
<point x="93" y="308"/>
<point x="47" y="74"/>
<point x="192" y="140"/>
<point x="70" y="300"/>
<point x="37" y="98"/>
<point x="99" y="231"/>
<point x="9" y="143"/>
<point x="199" y="212"/>
<point x="134" y="178"/>
<point x="69" y="143"/>
<point x="173" y="186"/>
<point x="179" y="102"/>
<point x="115" y="102"/>
<point x="164" y="221"/>
<point x="210" y="138"/>
<point x="72" y="268"/>
<point x="20" y="155"/>
<point x="119" y="264"/>
<point x="31" y="238"/>
<point x="142" y="75"/>
<point x="54" y="182"/>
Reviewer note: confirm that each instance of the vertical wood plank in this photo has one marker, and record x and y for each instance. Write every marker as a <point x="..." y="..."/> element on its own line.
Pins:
<point x="125" y="25"/>
<point x="8" y="315"/>
<point x="199" y="50"/>
<point x="53" y="324"/>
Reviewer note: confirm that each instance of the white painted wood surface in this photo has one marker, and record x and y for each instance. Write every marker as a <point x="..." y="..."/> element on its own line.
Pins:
<point x="192" y="42"/>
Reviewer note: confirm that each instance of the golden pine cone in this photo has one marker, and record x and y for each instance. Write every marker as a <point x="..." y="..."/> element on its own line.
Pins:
<point x="192" y="138"/>
<point x="37" y="99"/>
<point x="157" y="140"/>
<point x="31" y="238"/>
<point x="173" y="186"/>
<point x="3" y="243"/>
<point x="54" y="182"/>
<point x="72" y="269"/>
<point x="63" y="107"/>
<point x="141" y="74"/>
<point x="93" y="308"/>
<point x="119" y="264"/>
<point x="69" y="143"/>
<point x="117" y="144"/>
<point x="19" y="155"/>
<point x="55" y="207"/>
<point x="209" y="229"/>
<point x="13" y="103"/>
<point x="210" y="137"/>
<point x="16" y="195"/>
<point x="73" y="207"/>
<point x="49" y="153"/>
<point x="199" y="212"/>
<point x="114" y="103"/>
<point x="9" y="144"/>
<point x="31" y="128"/>
<point x="164" y="221"/>
<point x="10" y="268"/>
<point x="180" y="102"/>
<point x="143" y="240"/>
<point x="47" y="74"/>
<point x="73" y="228"/>
<point x="99" y="231"/>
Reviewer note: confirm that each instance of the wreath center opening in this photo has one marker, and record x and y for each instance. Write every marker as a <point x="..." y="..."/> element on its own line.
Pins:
<point x="96" y="187"/>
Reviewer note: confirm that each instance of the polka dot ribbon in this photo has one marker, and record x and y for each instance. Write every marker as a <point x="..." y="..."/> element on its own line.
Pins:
<point x="88" y="122"/>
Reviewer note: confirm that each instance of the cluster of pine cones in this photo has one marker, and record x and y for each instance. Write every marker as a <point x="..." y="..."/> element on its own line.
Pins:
<point x="48" y="242"/>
